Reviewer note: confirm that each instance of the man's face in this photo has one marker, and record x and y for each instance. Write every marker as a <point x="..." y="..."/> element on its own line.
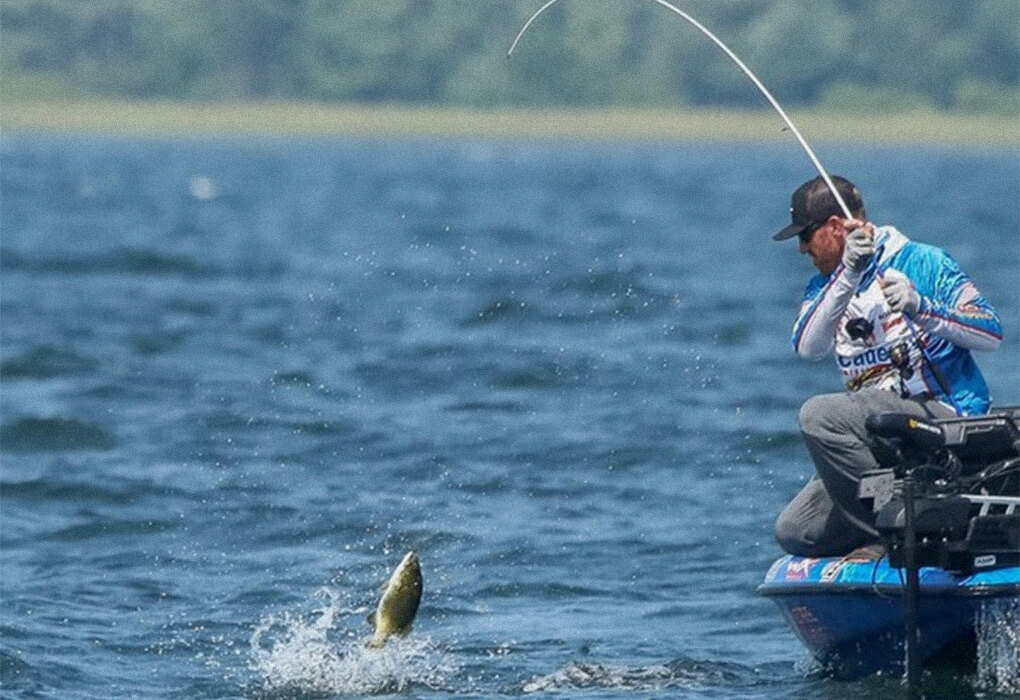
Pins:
<point x="825" y="245"/>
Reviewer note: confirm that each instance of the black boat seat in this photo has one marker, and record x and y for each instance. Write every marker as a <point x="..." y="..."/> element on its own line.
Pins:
<point x="983" y="439"/>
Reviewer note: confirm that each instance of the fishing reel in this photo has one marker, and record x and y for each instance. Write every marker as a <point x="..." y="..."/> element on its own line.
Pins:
<point x="899" y="357"/>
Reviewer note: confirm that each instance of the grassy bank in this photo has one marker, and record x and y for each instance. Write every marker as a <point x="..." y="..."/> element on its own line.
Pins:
<point x="291" y="119"/>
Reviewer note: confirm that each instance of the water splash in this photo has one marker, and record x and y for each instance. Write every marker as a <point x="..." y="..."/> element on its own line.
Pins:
<point x="605" y="676"/>
<point x="311" y="655"/>
<point x="998" y="635"/>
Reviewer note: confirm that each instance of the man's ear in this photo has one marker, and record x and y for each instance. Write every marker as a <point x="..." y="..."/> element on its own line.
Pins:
<point x="838" y="228"/>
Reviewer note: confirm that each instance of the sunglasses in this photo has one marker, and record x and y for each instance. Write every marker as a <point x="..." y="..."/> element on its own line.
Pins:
<point x="810" y="230"/>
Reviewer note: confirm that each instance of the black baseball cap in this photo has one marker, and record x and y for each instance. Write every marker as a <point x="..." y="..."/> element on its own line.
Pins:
<point x="813" y="203"/>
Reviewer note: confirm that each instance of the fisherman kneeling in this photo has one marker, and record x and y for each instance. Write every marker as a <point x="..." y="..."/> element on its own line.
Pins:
<point x="902" y="318"/>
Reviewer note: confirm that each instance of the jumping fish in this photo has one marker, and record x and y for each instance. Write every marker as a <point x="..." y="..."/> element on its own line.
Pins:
<point x="399" y="602"/>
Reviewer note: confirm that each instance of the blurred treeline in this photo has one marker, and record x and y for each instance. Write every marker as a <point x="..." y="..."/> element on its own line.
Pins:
<point x="887" y="54"/>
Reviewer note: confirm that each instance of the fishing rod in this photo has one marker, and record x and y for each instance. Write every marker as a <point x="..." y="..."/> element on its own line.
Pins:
<point x="747" y="71"/>
<point x="915" y="334"/>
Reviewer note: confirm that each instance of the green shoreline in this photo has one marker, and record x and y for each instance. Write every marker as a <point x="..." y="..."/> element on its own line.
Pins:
<point x="262" y="119"/>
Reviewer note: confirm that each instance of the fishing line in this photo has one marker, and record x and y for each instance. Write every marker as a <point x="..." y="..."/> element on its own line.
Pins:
<point x="747" y="71"/>
<point x="915" y="334"/>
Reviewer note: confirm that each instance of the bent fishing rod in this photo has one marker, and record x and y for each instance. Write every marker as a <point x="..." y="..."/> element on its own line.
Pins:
<point x="747" y="71"/>
<point x="915" y="334"/>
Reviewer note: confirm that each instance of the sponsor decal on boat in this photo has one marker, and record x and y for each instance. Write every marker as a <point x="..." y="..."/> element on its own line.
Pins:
<point x="800" y="569"/>
<point x="811" y="629"/>
<point x="831" y="570"/>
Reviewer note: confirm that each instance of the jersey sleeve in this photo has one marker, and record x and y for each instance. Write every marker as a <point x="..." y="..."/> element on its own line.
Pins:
<point x="825" y="301"/>
<point x="953" y="308"/>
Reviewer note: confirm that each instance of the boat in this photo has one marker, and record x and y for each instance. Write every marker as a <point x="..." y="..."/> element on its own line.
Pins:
<point x="850" y="613"/>
<point x="947" y="507"/>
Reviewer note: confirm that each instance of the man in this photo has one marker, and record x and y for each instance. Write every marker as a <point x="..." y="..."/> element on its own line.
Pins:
<point x="902" y="318"/>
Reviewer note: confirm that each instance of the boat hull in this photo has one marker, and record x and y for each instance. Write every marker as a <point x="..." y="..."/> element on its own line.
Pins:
<point x="850" y="613"/>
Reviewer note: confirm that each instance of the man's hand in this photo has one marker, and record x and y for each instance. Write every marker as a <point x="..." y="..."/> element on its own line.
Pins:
<point x="858" y="248"/>
<point x="900" y="293"/>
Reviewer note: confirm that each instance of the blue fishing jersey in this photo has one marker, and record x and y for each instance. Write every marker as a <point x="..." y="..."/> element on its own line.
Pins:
<point x="928" y="353"/>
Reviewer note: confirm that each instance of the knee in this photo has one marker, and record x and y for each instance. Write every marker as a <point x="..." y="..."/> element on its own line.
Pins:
<point x="817" y="414"/>
<point x="792" y="535"/>
<point x="787" y="534"/>
<point x="802" y="520"/>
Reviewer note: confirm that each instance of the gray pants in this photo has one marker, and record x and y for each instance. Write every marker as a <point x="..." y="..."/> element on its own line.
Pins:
<point x="826" y="518"/>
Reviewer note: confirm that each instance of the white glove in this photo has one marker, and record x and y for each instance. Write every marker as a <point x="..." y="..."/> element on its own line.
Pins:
<point x="900" y="293"/>
<point x="858" y="249"/>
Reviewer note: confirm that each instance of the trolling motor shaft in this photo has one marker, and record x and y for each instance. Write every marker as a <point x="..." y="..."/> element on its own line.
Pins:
<point x="911" y="662"/>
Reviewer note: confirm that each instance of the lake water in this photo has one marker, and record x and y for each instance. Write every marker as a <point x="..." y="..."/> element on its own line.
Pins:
<point x="242" y="378"/>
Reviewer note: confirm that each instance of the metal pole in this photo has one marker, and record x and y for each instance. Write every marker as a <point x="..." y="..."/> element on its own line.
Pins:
<point x="911" y="659"/>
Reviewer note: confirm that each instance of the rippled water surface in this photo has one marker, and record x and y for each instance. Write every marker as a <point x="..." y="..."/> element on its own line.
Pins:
<point x="241" y="379"/>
